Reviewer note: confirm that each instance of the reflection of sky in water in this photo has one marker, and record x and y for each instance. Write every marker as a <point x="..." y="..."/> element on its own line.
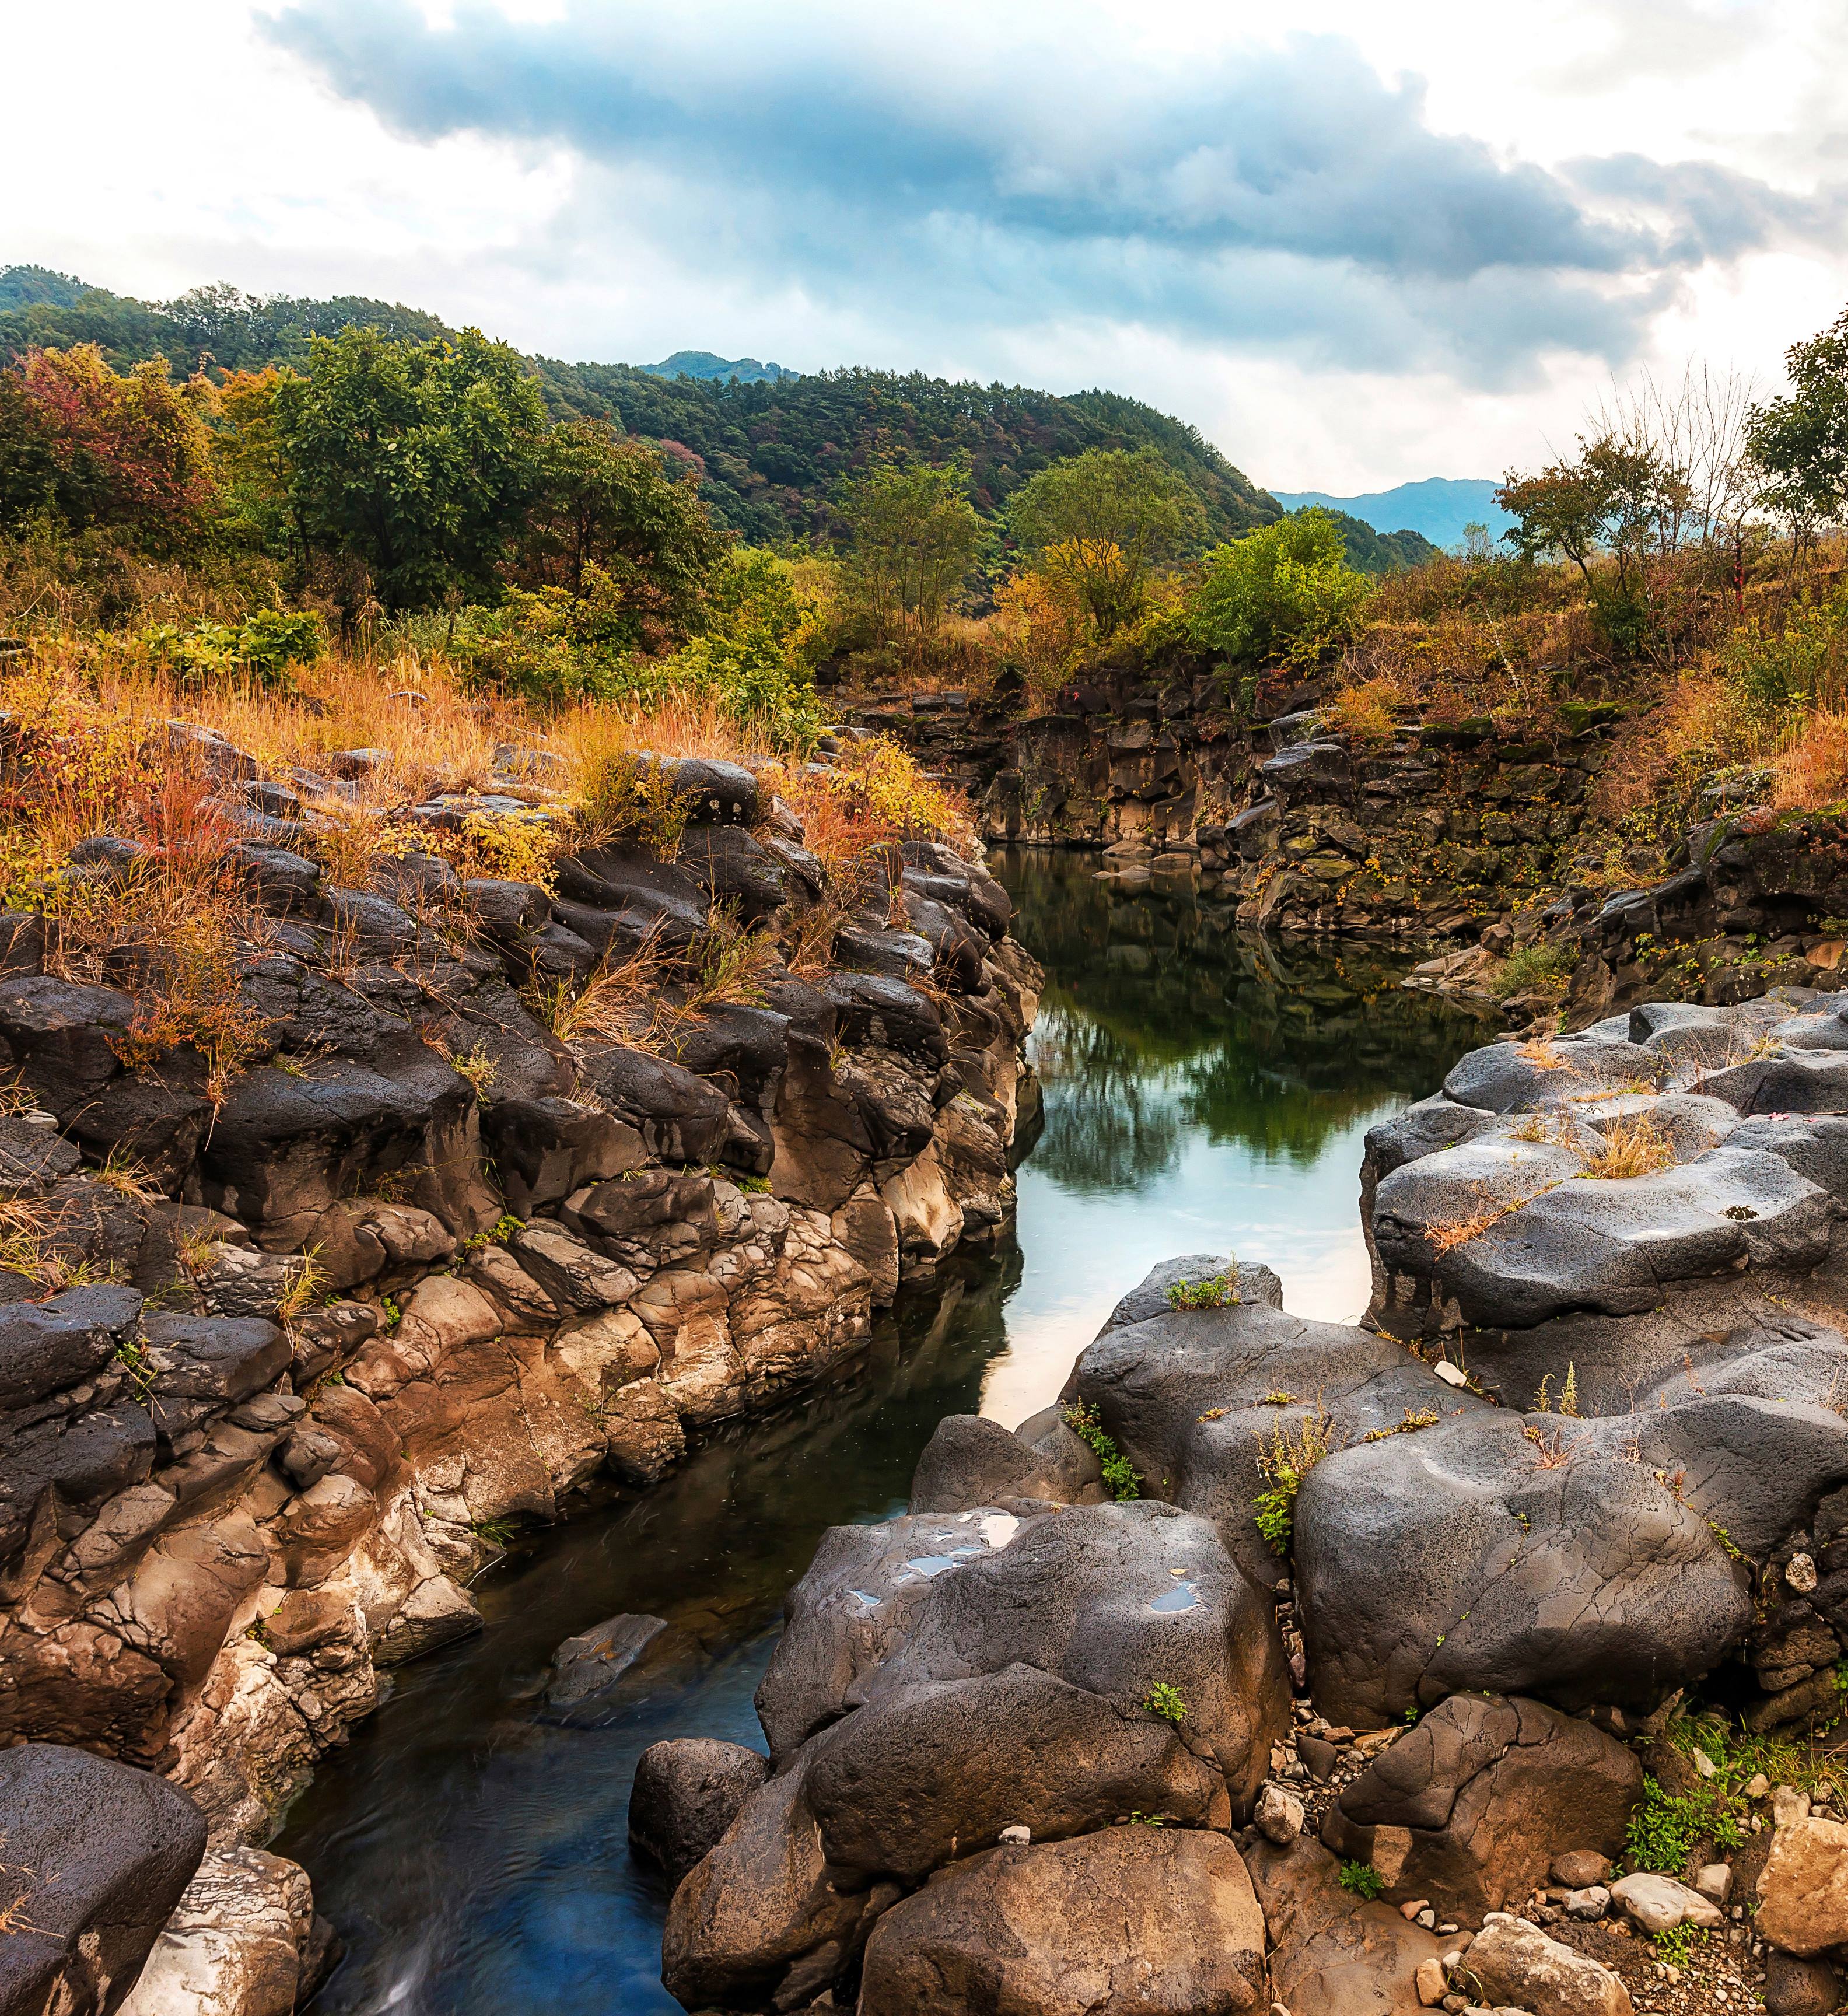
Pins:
<point x="1084" y="1249"/>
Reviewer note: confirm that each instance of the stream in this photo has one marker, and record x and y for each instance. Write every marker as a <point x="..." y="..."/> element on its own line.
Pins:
<point x="1204" y="1091"/>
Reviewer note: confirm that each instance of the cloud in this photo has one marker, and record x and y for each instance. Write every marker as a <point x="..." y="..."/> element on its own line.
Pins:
<point x="1264" y="197"/>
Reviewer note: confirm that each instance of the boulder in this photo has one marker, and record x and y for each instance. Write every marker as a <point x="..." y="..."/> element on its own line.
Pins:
<point x="687" y="1792"/>
<point x="1803" y="1889"/>
<point x="1659" y="1903"/>
<point x="237" y="1945"/>
<point x="586" y="1685"/>
<point x="1481" y="1797"/>
<point x="97" y="1856"/>
<point x="1332" y="1953"/>
<point x="1514" y="1962"/>
<point x="1794" y="1987"/>
<point x="1163" y="1923"/>
<point x="970" y="1460"/>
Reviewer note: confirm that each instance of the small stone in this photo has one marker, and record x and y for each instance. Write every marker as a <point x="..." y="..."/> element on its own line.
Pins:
<point x="1589" y="1904"/>
<point x="1704" y="1766"/>
<point x="1016" y="1837"/>
<point x="1799" y="1573"/>
<point x="1448" y="1374"/>
<point x="1317" y="1754"/>
<point x="1757" y="1785"/>
<point x="1788" y="1805"/>
<point x="1714" y="1882"/>
<point x="1278" y="1815"/>
<point x="1411" y="1910"/>
<point x="1431" y="1984"/>
<point x="1659" y="1903"/>
<point x="1579" y="1869"/>
<point x="1427" y="1919"/>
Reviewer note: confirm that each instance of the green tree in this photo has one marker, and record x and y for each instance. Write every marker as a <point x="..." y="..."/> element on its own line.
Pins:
<point x="916" y="536"/>
<point x="418" y="460"/>
<point x="1284" y="591"/>
<point x="1800" y="443"/>
<point x="1622" y="498"/>
<point x="1104" y="520"/>
<point x="606" y="502"/>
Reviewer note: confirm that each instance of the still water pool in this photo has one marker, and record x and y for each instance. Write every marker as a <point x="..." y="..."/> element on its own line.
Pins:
<point x="1203" y="1092"/>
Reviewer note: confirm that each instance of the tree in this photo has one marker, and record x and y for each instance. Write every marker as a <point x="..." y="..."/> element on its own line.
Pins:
<point x="96" y="448"/>
<point x="916" y="535"/>
<point x="1109" y="515"/>
<point x="419" y="459"/>
<point x="1800" y="442"/>
<point x="1623" y="496"/>
<point x="606" y="502"/>
<point x="1282" y="591"/>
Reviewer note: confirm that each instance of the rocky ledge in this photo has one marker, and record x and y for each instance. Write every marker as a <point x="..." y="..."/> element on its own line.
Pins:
<point x="1291" y="1667"/>
<point x="285" y="1351"/>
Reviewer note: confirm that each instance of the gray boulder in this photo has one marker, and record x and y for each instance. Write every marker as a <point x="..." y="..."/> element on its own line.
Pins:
<point x="594" y="1673"/>
<point x="687" y="1792"/>
<point x="971" y="1460"/>
<point x="1331" y="1953"/>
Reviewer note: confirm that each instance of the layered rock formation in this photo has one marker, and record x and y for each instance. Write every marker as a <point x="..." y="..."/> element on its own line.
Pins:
<point x="283" y="1351"/>
<point x="1584" y="1459"/>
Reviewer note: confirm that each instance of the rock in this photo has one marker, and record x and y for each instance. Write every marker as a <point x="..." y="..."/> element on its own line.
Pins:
<point x="1800" y="1574"/>
<point x="1714" y="1882"/>
<point x="1578" y="1868"/>
<point x="714" y="793"/>
<point x="757" y="1919"/>
<point x="1803" y="1889"/>
<point x="1332" y="1954"/>
<point x="1516" y="1962"/>
<point x="1590" y="1904"/>
<point x="589" y="1670"/>
<point x="1432" y="1983"/>
<point x="1486" y="1791"/>
<point x="1278" y="1815"/>
<point x="687" y="1792"/>
<point x="97" y="1857"/>
<point x="236" y="1944"/>
<point x="1794" y="1987"/>
<point x="1320" y="1755"/>
<point x="1788" y="1805"/>
<point x="971" y="1460"/>
<point x="1164" y="1923"/>
<point x="1659" y="1903"/>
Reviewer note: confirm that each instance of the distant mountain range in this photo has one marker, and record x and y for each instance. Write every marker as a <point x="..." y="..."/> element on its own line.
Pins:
<point x="1439" y="507"/>
<point x="703" y="364"/>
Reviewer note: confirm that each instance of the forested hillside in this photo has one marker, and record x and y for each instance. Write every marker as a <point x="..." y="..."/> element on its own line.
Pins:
<point x="771" y="455"/>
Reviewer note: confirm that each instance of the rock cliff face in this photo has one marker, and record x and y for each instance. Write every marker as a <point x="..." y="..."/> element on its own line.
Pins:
<point x="280" y="1354"/>
<point x="1589" y="1451"/>
<point x="1437" y="832"/>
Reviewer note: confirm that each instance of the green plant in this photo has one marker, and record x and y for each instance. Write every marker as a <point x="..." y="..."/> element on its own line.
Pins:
<point x="1289" y="1457"/>
<point x="1216" y="1292"/>
<point x="1360" y="1879"/>
<point x="1152" y="1819"/>
<point x="1165" y="1700"/>
<point x="1665" y="1830"/>
<point x="1677" y="1945"/>
<point x="388" y="1308"/>
<point x="133" y="1358"/>
<point x="1121" y="1478"/>
<point x="1534" y="968"/>
<point x="1284" y="591"/>
<point x="496" y="1532"/>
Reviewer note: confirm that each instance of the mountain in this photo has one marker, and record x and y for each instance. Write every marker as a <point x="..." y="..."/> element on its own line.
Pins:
<point x="771" y="451"/>
<point x="1370" y="552"/>
<point x="1438" y="507"/>
<point x="703" y="364"/>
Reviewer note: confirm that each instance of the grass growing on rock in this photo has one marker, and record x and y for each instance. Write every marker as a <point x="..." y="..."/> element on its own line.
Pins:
<point x="1292" y="1450"/>
<point x="1634" y="1146"/>
<point x="1121" y="1477"/>
<point x="1215" y="1292"/>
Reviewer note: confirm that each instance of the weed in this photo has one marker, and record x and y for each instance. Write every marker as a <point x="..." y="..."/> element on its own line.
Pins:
<point x="1121" y="1478"/>
<point x="1152" y="1819"/>
<point x="496" y="1532"/>
<point x="1667" y="1828"/>
<point x="476" y="1067"/>
<point x="616" y="1003"/>
<point x="1531" y="969"/>
<point x="128" y="1178"/>
<point x="307" y="1286"/>
<point x="388" y="1308"/>
<point x="133" y="1359"/>
<point x="1164" y="1699"/>
<point x="1278" y="1398"/>
<point x="1542" y="1053"/>
<point x="1211" y="1414"/>
<point x="624" y="795"/>
<point x="1216" y="1292"/>
<point x="1553" y="1130"/>
<point x="1555" y="1451"/>
<point x="1360" y="1879"/>
<point x="1410" y="1424"/>
<point x="1677" y="1945"/>
<point x="1289" y="1457"/>
<point x="1568" y="1395"/>
<point x="1634" y="1146"/>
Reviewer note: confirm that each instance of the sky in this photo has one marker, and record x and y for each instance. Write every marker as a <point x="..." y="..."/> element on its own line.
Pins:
<point x="1355" y="243"/>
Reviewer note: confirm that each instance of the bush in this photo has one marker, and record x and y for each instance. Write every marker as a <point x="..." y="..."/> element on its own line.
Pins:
<point x="1164" y="1699"/>
<point x="1529" y="966"/>
<point x="1360" y="1879"/>
<point x="1284" y="591"/>
<point x="261" y="648"/>
<point x="1213" y="1292"/>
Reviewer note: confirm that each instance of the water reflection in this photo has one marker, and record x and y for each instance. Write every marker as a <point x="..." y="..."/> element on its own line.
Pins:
<point x="1201" y="1092"/>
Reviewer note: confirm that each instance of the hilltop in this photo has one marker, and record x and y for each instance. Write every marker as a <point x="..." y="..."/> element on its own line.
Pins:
<point x="1438" y="507"/>
<point x="707" y="364"/>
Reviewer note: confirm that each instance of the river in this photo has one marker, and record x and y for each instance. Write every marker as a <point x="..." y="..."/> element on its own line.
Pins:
<point x="1204" y="1091"/>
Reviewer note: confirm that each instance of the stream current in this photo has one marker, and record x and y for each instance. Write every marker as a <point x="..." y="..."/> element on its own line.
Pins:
<point x="1204" y="1091"/>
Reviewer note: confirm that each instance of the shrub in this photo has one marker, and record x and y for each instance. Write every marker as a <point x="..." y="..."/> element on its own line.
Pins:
<point x="1360" y="1879"/>
<point x="1631" y="1147"/>
<point x="263" y="649"/>
<point x="1120" y="1479"/>
<point x="1216" y="1292"/>
<point x="1286" y="1459"/>
<point x="1534" y="968"/>
<point x="1282" y="591"/>
<point x="1666" y="1828"/>
<point x="1165" y="1700"/>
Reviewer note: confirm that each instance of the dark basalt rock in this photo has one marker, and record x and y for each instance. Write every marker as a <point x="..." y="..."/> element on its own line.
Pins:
<point x="733" y="868"/>
<point x="972" y="1461"/>
<point x="646" y="895"/>
<point x="897" y="955"/>
<point x="597" y="1674"/>
<point x="70" y="1466"/>
<point x="545" y="1149"/>
<point x="97" y="1856"/>
<point x="687" y="1792"/>
<point x="46" y="1347"/>
<point x="714" y="793"/>
<point x="680" y="1118"/>
<point x="201" y="1364"/>
<point x="871" y="1009"/>
<point x="58" y="1033"/>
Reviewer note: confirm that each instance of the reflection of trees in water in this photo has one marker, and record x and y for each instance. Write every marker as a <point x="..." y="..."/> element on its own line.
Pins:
<point x="1159" y="1017"/>
<point x="1108" y="1125"/>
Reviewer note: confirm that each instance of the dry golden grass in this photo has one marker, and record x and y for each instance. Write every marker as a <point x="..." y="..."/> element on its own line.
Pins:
<point x="619" y="1003"/>
<point x="1543" y="1054"/>
<point x="1634" y="1146"/>
<point x="1554" y="1129"/>
<point x="1810" y="770"/>
<point x="1367" y="712"/>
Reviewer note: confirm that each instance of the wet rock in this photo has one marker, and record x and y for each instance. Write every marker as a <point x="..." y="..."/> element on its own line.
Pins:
<point x="98" y="1856"/>
<point x="687" y="1792"/>
<point x="589" y="1671"/>
<point x="1487" y="1791"/>
<point x="545" y="1149"/>
<point x="1165" y="1923"/>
